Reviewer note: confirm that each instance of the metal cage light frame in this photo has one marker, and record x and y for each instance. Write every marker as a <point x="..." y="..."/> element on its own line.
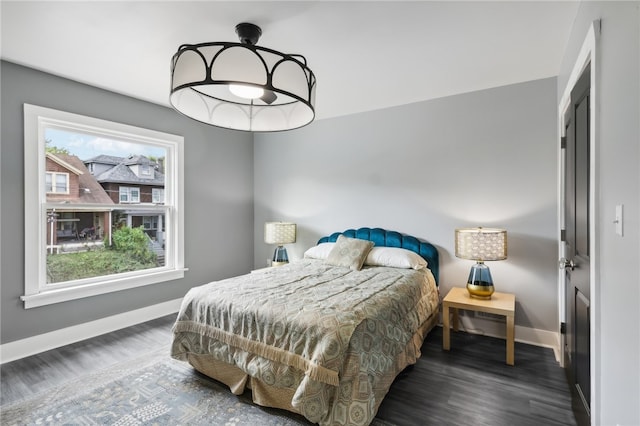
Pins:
<point x="204" y="77"/>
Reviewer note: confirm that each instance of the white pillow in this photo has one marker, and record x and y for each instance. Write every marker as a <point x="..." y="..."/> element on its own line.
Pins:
<point x="395" y="257"/>
<point x="321" y="251"/>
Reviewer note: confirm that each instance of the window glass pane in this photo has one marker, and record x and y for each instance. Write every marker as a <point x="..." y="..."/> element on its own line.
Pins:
<point x="158" y="195"/>
<point x="88" y="244"/>
<point x="135" y="195"/>
<point x="61" y="183"/>
<point x="92" y="234"/>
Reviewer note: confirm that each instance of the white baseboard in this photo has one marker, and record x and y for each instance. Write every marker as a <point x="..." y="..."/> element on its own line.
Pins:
<point x="43" y="342"/>
<point x="531" y="336"/>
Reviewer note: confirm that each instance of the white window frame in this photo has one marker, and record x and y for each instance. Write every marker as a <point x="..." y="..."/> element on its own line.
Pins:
<point x="157" y="195"/>
<point x="128" y="191"/>
<point x="54" y="185"/>
<point x="37" y="291"/>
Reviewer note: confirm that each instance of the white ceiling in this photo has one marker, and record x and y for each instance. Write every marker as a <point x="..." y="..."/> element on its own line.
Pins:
<point x="366" y="54"/>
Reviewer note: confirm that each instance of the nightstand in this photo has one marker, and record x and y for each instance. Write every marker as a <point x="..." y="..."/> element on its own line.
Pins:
<point x="500" y="304"/>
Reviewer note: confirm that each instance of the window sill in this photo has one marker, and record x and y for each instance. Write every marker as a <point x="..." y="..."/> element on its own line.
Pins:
<point x="49" y="297"/>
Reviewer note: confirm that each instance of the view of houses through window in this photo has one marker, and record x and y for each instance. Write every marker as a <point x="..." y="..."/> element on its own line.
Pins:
<point x="104" y="205"/>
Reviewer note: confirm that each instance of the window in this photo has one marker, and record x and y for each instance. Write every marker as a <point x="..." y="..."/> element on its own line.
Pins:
<point x="129" y="195"/>
<point x="157" y="195"/>
<point x="79" y="243"/>
<point x="150" y="222"/>
<point x="57" y="183"/>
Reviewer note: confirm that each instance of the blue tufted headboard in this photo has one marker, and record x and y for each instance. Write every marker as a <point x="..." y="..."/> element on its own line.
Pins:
<point x="384" y="238"/>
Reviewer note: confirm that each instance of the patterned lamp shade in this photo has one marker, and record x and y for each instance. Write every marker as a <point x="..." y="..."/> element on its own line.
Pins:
<point x="279" y="233"/>
<point x="481" y="244"/>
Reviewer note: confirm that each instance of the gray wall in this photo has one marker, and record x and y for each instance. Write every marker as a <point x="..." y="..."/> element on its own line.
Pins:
<point x="486" y="158"/>
<point x="218" y="200"/>
<point x="617" y="318"/>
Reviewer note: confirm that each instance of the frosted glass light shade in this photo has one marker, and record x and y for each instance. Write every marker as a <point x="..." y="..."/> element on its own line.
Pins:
<point x="247" y="92"/>
<point x="481" y="244"/>
<point x="201" y="76"/>
<point x="279" y="233"/>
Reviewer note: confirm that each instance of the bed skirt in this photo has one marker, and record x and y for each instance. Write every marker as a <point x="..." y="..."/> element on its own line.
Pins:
<point x="270" y="396"/>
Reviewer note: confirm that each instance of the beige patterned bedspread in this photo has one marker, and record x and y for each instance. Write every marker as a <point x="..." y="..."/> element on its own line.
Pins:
<point x="332" y="334"/>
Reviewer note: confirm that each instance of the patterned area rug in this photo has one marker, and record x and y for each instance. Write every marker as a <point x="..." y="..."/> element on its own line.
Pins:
<point x="156" y="390"/>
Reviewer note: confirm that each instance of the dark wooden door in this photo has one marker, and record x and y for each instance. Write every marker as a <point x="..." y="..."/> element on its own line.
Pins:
<point x="577" y="262"/>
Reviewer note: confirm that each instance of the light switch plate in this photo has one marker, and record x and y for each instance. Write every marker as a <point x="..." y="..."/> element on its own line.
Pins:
<point x="618" y="220"/>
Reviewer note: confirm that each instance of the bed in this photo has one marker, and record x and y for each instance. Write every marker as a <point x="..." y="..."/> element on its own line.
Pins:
<point x="323" y="336"/>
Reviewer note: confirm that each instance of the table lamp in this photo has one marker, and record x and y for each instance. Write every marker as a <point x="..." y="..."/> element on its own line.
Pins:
<point x="481" y="244"/>
<point x="279" y="233"/>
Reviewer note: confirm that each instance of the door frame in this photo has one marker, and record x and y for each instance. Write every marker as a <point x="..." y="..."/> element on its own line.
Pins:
<point x="588" y="54"/>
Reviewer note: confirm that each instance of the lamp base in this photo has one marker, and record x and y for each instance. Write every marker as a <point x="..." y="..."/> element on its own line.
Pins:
<point x="480" y="283"/>
<point x="280" y="256"/>
<point x="480" y="291"/>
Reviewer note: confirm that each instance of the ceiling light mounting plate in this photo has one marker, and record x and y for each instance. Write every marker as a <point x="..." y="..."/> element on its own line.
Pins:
<point x="248" y="33"/>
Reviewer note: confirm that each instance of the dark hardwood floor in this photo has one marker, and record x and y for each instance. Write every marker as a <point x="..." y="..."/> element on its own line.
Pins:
<point x="470" y="385"/>
<point x="29" y="376"/>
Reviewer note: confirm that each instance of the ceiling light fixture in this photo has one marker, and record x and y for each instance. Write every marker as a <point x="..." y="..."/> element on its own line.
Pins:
<point x="243" y="86"/>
